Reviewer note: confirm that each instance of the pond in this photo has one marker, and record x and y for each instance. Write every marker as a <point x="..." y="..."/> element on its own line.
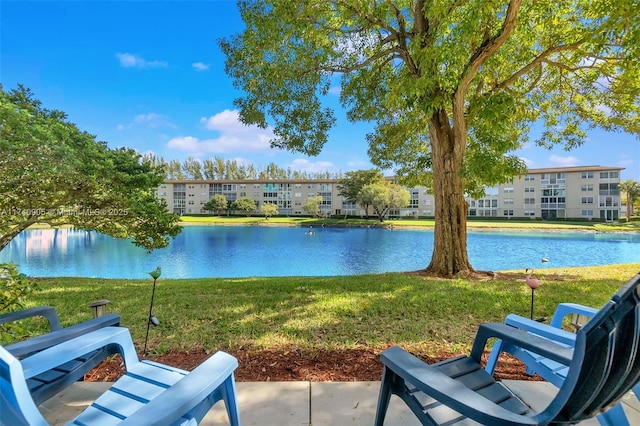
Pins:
<point x="244" y="251"/>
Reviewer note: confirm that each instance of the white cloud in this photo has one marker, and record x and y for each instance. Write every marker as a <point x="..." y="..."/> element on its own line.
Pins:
<point x="234" y="136"/>
<point x="303" y="164"/>
<point x="129" y="60"/>
<point x="531" y="164"/>
<point x="200" y="66"/>
<point x="150" y="119"/>
<point x="564" y="161"/>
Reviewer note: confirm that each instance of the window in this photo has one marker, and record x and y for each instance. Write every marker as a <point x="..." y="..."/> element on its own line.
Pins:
<point x="297" y="194"/>
<point x="529" y="189"/>
<point x="552" y="178"/>
<point x="508" y="201"/>
<point x="529" y="200"/>
<point x="529" y="178"/>
<point x="609" y="175"/>
<point x="493" y="190"/>
<point x="529" y="213"/>
<point x="586" y="188"/>
<point x="586" y="200"/>
<point x="586" y="213"/>
<point x="508" y="212"/>
<point x="508" y="190"/>
<point x="586" y="175"/>
<point x="609" y="189"/>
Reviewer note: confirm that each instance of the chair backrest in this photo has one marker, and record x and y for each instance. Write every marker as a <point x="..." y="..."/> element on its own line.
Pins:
<point x="16" y="405"/>
<point x="606" y="361"/>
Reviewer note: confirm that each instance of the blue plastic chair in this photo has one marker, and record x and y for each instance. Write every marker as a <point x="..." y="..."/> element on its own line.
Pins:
<point x="604" y="365"/>
<point x="149" y="392"/>
<point x="49" y="383"/>
<point x="552" y="371"/>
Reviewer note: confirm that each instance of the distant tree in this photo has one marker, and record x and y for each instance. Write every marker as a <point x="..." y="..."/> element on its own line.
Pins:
<point x="174" y="170"/>
<point x="383" y="196"/>
<point x="312" y="206"/>
<point x="217" y="204"/>
<point x="632" y="191"/>
<point x="192" y="168"/>
<point x="453" y="87"/>
<point x="352" y="183"/>
<point x="245" y="205"/>
<point x="53" y="173"/>
<point x="269" y="209"/>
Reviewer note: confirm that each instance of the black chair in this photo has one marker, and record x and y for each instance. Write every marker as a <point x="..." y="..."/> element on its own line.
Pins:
<point x="49" y="383"/>
<point x="603" y="367"/>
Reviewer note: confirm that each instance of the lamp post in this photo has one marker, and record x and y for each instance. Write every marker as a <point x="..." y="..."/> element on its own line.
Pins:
<point x="155" y="274"/>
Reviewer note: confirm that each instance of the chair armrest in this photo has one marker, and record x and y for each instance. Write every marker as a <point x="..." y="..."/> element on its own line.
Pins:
<point x="450" y="392"/>
<point x="44" y="341"/>
<point x="187" y="393"/>
<point x="544" y="330"/>
<point x="66" y="351"/>
<point x="49" y="312"/>
<point x="565" y="309"/>
<point x="521" y="338"/>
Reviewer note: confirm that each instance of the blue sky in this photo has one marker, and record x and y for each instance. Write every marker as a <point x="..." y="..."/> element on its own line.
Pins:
<point x="149" y="75"/>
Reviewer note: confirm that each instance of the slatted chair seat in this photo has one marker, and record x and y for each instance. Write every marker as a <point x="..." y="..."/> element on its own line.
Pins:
<point x="51" y="382"/>
<point x="603" y="365"/>
<point x="148" y="393"/>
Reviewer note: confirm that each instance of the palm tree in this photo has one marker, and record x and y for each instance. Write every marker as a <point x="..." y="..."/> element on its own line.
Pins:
<point x="632" y="189"/>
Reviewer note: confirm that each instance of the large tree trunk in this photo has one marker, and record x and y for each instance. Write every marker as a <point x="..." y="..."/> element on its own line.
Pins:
<point x="450" y="235"/>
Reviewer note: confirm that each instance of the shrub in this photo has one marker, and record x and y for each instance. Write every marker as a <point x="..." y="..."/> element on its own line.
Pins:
<point x="14" y="290"/>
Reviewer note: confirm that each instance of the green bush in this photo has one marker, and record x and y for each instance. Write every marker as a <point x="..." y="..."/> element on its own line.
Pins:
<point x="15" y="288"/>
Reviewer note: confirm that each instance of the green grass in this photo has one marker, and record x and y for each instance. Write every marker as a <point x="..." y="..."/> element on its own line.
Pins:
<point x="312" y="313"/>
<point x="429" y="223"/>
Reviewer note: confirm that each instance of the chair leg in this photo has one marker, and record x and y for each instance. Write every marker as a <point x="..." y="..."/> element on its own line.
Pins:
<point x="385" y="396"/>
<point x="615" y="416"/>
<point x="230" y="402"/>
<point x="492" y="362"/>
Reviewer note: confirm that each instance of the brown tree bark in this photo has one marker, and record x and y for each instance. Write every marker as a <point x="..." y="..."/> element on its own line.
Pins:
<point x="450" y="256"/>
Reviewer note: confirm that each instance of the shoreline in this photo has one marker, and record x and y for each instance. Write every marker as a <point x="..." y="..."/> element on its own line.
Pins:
<point x="393" y="227"/>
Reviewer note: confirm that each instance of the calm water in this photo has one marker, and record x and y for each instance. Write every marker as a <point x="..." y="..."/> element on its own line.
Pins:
<point x="230" y="251"/>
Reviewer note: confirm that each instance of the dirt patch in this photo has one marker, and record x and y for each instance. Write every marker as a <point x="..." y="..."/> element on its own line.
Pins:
<point x="296" y="365"/>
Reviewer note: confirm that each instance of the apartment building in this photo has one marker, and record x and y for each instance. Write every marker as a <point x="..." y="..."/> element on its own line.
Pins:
<point x="585" y="192"/>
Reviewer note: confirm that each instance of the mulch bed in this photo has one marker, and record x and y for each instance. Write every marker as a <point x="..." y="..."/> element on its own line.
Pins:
<point x="295" y="365"/>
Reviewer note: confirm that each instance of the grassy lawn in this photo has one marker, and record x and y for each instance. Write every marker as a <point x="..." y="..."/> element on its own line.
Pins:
<point x="471" y="224"/>
<point x="373" y="311"/>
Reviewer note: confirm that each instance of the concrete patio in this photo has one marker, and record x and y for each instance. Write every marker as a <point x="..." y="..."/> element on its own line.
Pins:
<point x="307" y="403"/>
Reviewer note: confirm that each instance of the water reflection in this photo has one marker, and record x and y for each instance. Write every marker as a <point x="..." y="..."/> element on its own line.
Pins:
<point x="232" y="251"/>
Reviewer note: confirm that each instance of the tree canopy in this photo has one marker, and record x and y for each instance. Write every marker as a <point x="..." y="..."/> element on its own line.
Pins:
<point x="453" y="87"/>
<point x="244" y="204"/>
<point x="269" y="209"/>
<point x="217" y="203"/>
<point x="312" y="206"/>
<point x="383" y="196"/>
<point x="53" y="173"/>
<point x="352" y="183"/>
